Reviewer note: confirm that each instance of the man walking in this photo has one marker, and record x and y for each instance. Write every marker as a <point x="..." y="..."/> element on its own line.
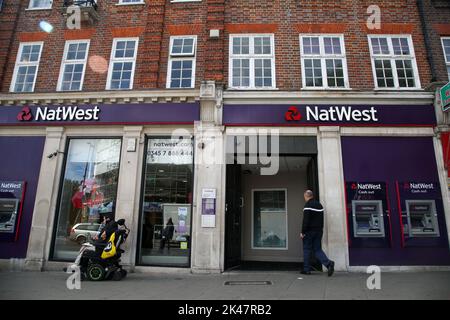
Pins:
<point x="312" y="231"/>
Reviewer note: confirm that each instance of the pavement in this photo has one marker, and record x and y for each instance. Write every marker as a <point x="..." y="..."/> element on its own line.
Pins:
<point x="284" y="286"/>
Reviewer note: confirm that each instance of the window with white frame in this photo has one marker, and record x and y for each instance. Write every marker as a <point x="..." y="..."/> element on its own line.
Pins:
<point x="252" y="62"/>
<point x="73" y="65"/>
<point x="40" y="4"/>
<point x="393" y="62"/>
<point x="181" y="67"/>
<point x="27" y="64"/>
<point x="324" y="65"/>
<point x="122" y="64"/>
<point x="446" y="47"/>
<point x="130" y="1"/>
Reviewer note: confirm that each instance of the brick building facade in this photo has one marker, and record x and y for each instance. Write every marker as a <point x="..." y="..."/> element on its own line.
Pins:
<point x="329" y="87"/>
<point x="154" y="22"/>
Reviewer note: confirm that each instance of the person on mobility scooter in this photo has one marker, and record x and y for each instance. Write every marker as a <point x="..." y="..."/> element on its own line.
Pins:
<point x="100" y="260"/>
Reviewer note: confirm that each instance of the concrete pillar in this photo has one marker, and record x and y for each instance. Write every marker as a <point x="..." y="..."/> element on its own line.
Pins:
<point x="128" y="189"/>
<point x="44" y="207"/>
<point x="208" y="242"/>
<point x="331" y="185"/>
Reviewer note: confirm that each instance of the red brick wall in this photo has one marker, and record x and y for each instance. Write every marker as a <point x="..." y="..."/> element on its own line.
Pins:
<point x="345" y="16"/>
<point x="157" y="20"/>
<point x="438" y="21"/>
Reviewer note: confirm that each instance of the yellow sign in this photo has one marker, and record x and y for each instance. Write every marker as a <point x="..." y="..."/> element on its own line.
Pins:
<point x="183" y="245"/>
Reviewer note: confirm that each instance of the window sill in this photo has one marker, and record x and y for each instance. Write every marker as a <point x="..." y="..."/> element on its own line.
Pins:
<point x="181" y="1"/>
<point x="399" y="89"/>
<point x="325" y="89"/>
<point x="130" y="4"/>
<point x="252" y="89"/>
<point x="38" y="9"/>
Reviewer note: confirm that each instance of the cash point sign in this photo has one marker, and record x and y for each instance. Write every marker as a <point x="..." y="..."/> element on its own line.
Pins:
<point x="157" y="113"/>
<point x="336" y="115"/>
<point x="445" y="97"/>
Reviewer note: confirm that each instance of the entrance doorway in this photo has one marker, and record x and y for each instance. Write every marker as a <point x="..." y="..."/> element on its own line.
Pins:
<point x="264" y="212"/>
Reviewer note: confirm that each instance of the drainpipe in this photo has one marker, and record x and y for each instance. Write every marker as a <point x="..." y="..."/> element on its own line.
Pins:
<point x="427" y="39"/>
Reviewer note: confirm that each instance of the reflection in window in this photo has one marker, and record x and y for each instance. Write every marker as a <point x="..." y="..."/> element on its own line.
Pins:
<point x="269" y="219"/>
<point x="89" y="190"/>
<point x="166" y="212"/>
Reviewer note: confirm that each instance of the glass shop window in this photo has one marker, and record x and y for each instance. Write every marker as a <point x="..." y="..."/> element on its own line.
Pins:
<point x="165" y="231"/>
<point x="89" y="190"/>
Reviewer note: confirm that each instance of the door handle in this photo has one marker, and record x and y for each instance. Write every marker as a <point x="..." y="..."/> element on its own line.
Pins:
<point x="242" y="202"/>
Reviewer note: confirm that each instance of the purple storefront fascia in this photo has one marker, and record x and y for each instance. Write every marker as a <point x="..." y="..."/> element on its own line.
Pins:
<point x="394" y="159"/>
<point x="275" y="115"/>
<point x="21" y="161"/>
<point x="105" y="114"/>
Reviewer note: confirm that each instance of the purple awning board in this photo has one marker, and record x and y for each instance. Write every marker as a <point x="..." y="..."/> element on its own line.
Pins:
<point x="21" y="161"/>
<point x="322" y="115"/>
<point x="100" y="114"/>
<point x="394" y="159"/>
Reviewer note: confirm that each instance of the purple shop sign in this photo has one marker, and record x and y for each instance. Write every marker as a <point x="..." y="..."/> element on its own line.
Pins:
<point x="342" y="115"/>
<point x="106" y="114"/>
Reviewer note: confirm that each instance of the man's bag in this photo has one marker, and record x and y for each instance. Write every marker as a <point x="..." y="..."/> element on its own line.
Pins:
<point x="110" y="249"/>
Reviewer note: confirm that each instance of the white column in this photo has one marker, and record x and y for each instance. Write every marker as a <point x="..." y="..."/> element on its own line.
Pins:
<point x="443" y="180"/>
<point x="331" y="185"/>
<point x="208" y="242"/>
<point x="44" y="207"/>
<point x="128" y="190"/>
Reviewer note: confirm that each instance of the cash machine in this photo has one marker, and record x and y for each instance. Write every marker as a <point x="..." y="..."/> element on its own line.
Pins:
<point x="368" y="221"/>
<point x="422" y="218"/>
<point x="8" y="214"/>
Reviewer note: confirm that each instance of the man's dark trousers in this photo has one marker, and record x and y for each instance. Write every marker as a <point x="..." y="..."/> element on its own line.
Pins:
<point x="312" y="243"/>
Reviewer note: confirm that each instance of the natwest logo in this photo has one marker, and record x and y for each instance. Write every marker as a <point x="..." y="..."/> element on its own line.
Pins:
<point x="292" y="114"/>
<point x="369" y="186"/>
<point x="333" y="114"/>
<point x="25" y="114"/>
<point x="420" y="186"/>
<point x="72" y="113"/>
<point x="341" y="114"/>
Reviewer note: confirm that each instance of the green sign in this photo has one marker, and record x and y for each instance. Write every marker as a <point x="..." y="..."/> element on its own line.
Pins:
<point x="445" y="97"/>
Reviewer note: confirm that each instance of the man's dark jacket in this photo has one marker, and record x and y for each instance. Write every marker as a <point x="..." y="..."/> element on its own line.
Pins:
<point x="312" y="216"/>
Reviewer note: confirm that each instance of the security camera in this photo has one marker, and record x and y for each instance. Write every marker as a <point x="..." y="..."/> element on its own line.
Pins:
<point x="54" y="154"/>
<point x="51" y="155"/>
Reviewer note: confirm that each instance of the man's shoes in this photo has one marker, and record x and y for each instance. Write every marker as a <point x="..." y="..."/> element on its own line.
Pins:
<point x="330" y="268"/>
<point x="306" y="272"/>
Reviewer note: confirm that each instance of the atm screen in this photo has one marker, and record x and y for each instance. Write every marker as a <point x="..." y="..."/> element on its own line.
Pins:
<point x="422" y="218"/>
<point x="367" y="219"/>
<point x="8" y="214"/>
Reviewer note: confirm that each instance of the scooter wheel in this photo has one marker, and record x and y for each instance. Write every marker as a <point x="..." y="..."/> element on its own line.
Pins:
<point x="117" y="276"/>
<point x="95" y="272"/>
<point x="124" y="273"/>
